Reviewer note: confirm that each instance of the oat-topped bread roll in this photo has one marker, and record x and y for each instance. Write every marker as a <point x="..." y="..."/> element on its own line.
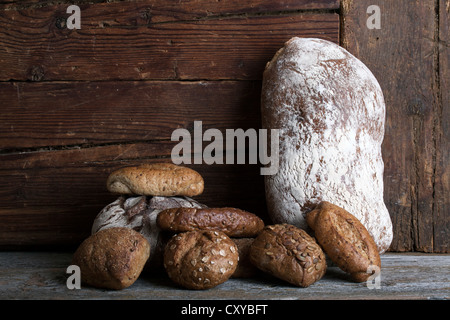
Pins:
<point x="200" y="259"/>
<point x="231" y="221"/>
<point x="139" y="214"/>
<point x="157" y="179"/>
<point x="344" y="239"/>
<point x="330" y="111"/>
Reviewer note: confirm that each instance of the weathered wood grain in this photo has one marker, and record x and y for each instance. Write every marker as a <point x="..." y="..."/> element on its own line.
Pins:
<point x="403" y="56"/>
<point x="75" y="113"/>
<point x="441" y="214"/>
<point x="42" y="275"/>
<point x="63" y="133"/>
<point x="86" y="101"/>
<point x="52" y="197"/>
<point x="114" y="42"/>
<point x="176" y="9"/>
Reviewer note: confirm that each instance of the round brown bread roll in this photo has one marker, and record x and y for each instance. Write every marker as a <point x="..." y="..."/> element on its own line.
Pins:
<point x="288" y="253"/>
<point x="158" y="179"/>
<point x="200" y="259"/>
<point x="344" y="239"/>
<point x="233" y="222"/>
<point x="330" y="112"/>
<point x="112" y="258"/>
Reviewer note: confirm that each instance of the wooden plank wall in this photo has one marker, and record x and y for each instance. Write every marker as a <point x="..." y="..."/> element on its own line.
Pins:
<point x="409" y="55"/>
<point x="76" y="104"/>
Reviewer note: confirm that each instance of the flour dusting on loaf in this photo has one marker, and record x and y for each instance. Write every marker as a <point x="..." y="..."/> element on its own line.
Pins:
<point x="330" y="111"/>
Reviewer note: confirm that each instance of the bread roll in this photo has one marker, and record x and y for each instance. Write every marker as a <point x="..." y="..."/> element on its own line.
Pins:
<point x="200" y="259"/>
<point x="344" y="239"/>
<point x="330" y="111"/>
<point x="156" y="179"/>
<point x="288" y="253"/>
<point x="112" y="258"/>
<point x="231" y="221"/>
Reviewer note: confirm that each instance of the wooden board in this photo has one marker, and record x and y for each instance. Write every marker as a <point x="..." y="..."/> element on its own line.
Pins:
<point x="77" y="104"/>
<point x="409" y="56"/>
<point x="90" y="113"/>
<point x="116" y="42"/>
<point x="42" y="275"/>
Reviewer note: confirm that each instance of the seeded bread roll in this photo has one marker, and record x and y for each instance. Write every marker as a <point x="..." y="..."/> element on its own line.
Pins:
<point x="200" y="259"/>
<point x="330" y="111"/>
<point x="288" y="253"/>
<point x="112" y="258"/>
<point x="158" y="179"/>
<point x="344" y="239"/>
<point x="233" y="222"/>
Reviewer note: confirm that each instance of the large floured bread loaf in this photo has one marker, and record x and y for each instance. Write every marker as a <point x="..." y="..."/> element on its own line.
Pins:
<point x="330" y="111"/>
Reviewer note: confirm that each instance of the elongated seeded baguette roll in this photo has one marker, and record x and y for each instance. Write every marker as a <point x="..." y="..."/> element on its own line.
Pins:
<point x="330" y="111"/>
<point x="156" y="179"/>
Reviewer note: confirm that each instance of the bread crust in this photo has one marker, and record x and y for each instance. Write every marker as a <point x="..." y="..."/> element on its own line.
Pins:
<point x="232" y="221"/>
<point x="288" y="253"/>
<point x="200" y="259"/>
<point x="156" y="179"/>
<point x="344" y="239"/>
<point x="112" y="258"/>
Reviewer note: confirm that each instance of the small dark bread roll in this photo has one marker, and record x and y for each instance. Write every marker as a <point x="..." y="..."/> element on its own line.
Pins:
<point x="112" y="258"/>
<point x="288" y="253"/>
<point x="157" y="179"/>
<point x="231" y="221"/>
<point x="344" y="239"/>
<point x="200" y="259"/>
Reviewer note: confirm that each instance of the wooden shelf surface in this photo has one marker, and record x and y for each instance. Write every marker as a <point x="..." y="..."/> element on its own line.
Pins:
<point x="42" y="275"/>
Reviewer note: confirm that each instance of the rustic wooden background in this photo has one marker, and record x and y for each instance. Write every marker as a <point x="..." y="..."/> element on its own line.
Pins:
<point x="76" y="104"/>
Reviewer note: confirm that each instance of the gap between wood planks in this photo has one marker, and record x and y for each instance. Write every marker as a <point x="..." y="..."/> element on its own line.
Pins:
<point x="19" y="5"/>
<point x="11" y="151"/>
<point x="438" y="106"/>
<point x="418" y="128"/>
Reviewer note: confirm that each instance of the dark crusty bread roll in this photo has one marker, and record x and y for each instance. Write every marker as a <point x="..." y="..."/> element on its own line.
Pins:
<point x="200" y="259"/>
<point x="112" y="258"/>
<point x="344" y="239"/>
<point x="231" y="221"/>
<point x="288" y="253"/>
<point x="157" y="179"/>
<point x="330" y="111"/>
